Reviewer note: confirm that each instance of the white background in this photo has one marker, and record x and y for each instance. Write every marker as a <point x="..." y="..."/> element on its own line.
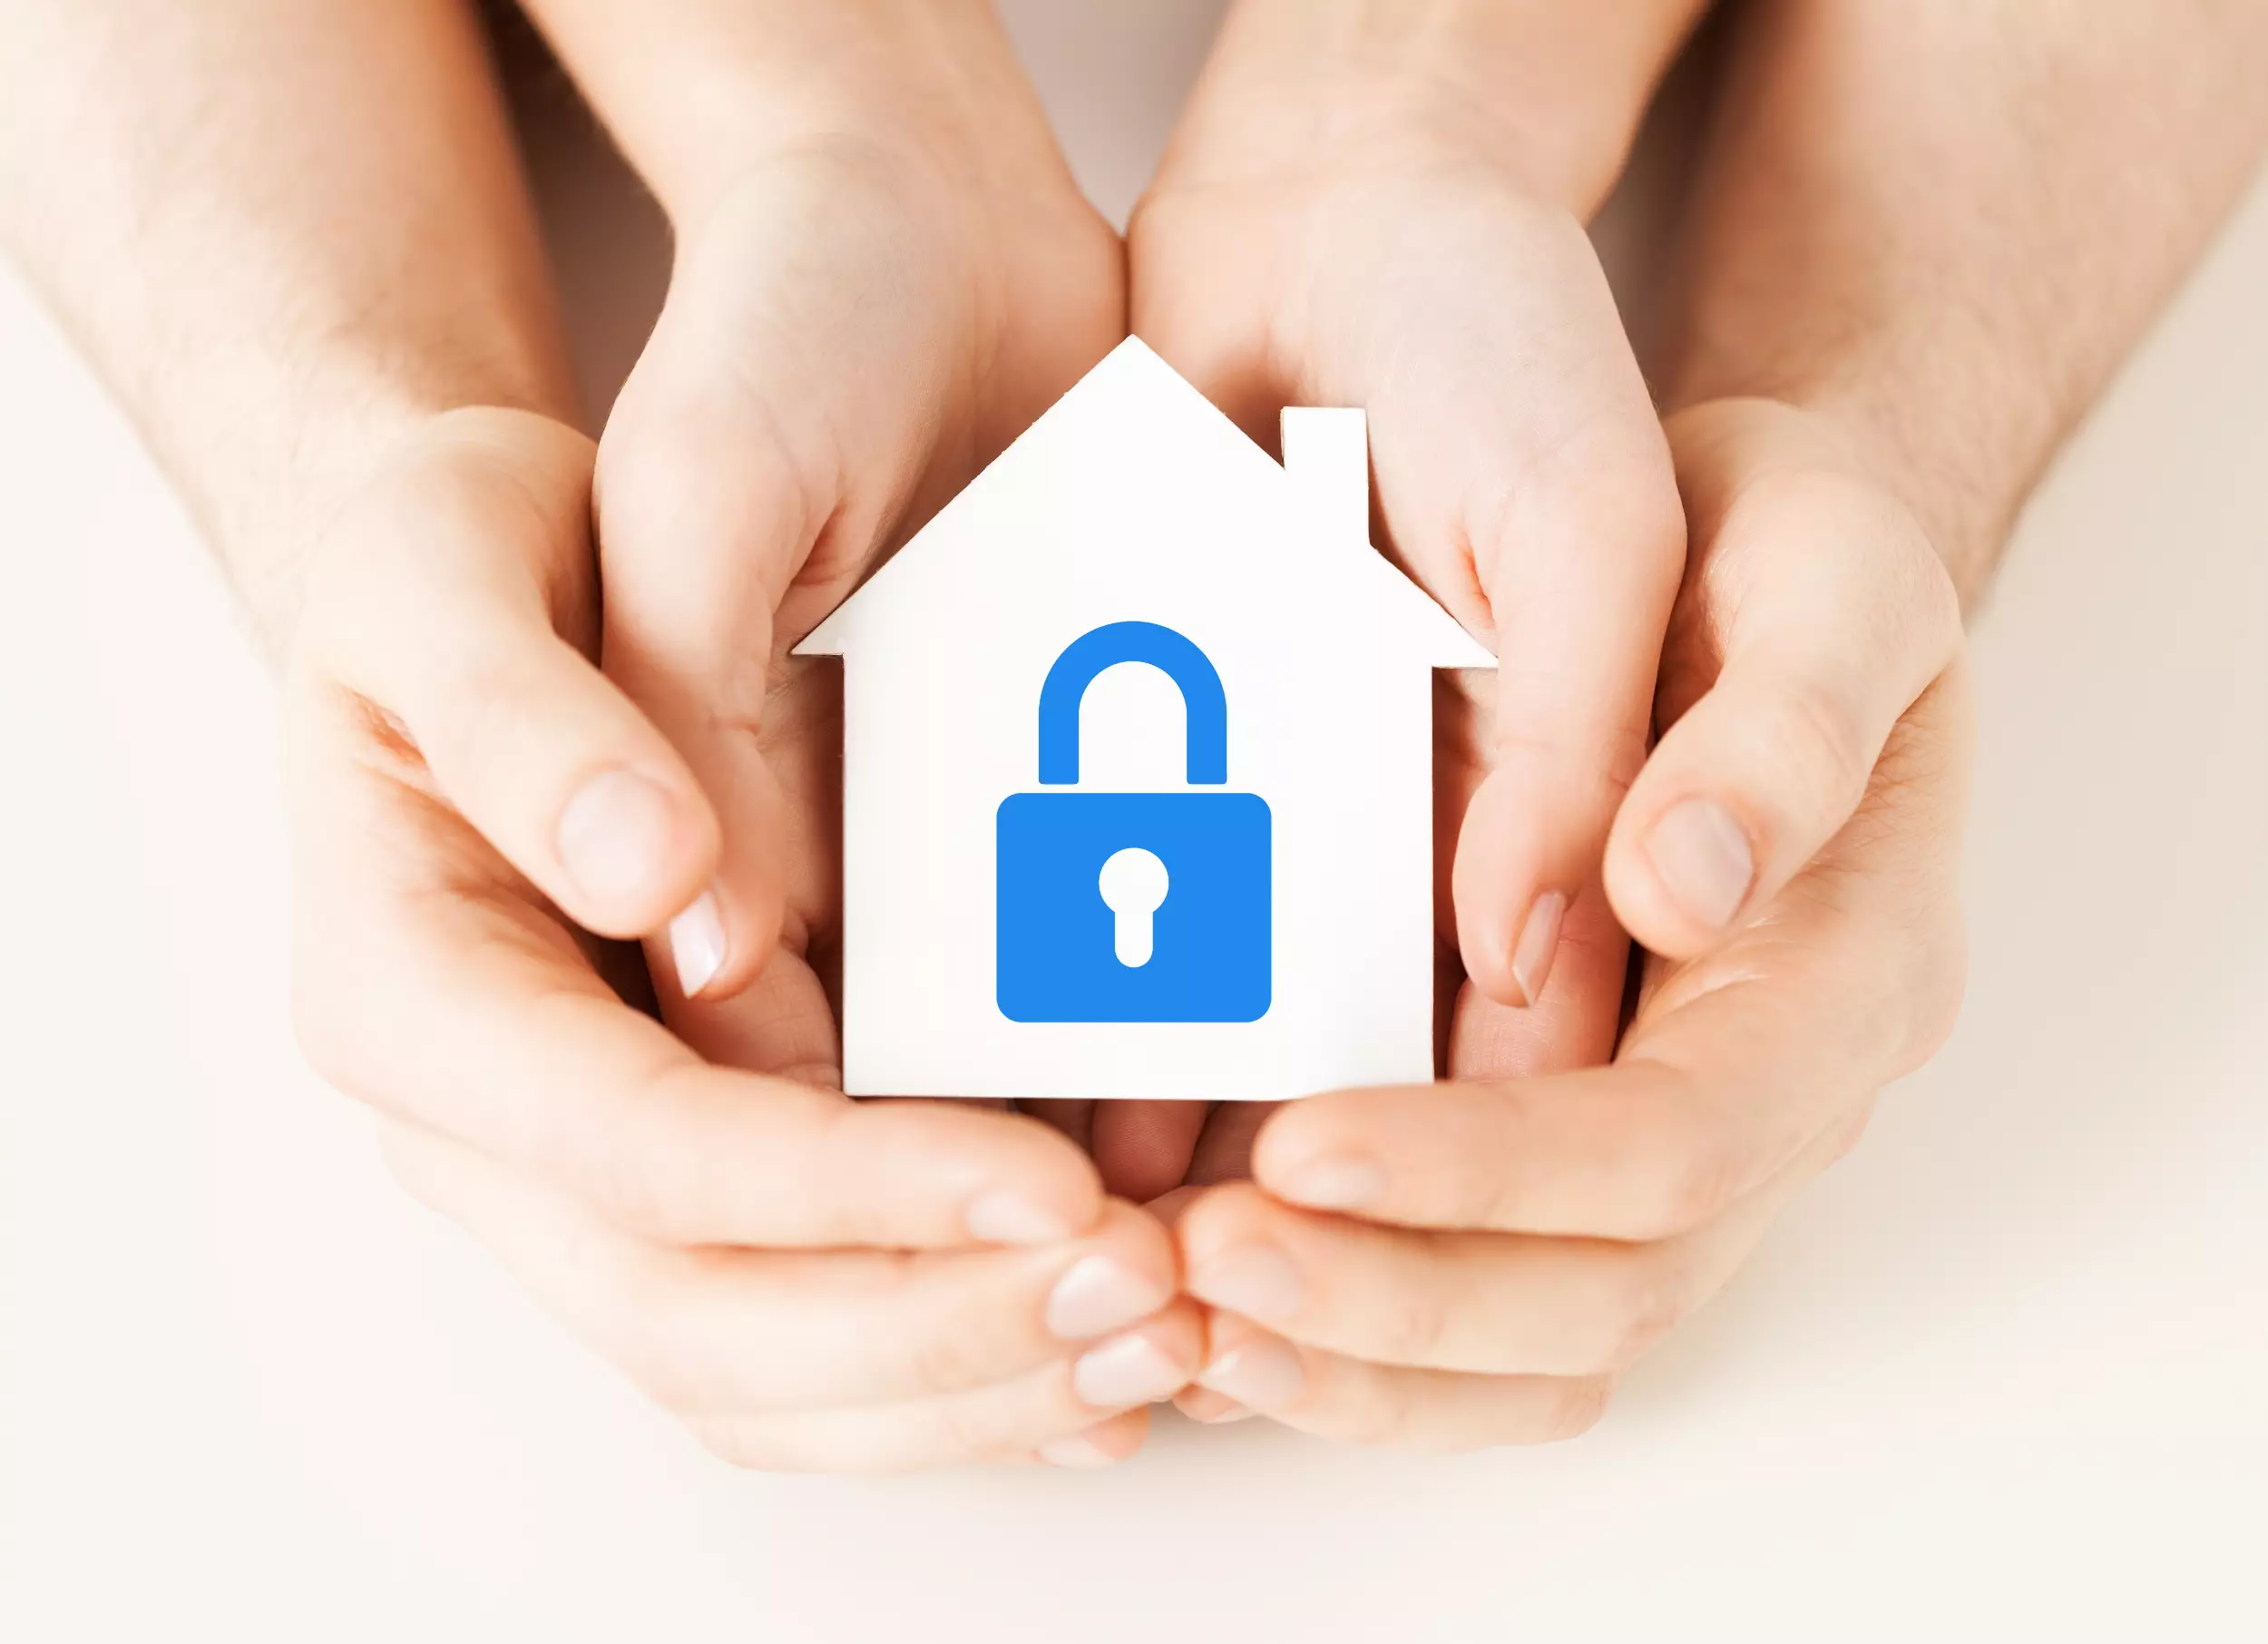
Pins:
<point x="1999" y="1373"/>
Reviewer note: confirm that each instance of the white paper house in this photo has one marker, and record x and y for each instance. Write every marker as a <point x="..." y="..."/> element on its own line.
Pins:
<point x="1133" y="499"/>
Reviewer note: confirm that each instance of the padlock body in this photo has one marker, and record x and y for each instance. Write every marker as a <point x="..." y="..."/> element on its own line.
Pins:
<point x="1210" y="950"/>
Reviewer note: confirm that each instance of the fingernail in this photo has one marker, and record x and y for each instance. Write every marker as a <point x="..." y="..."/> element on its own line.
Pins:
<point x="1131" y="1370"/>
<point x="696" y="943"/>
<point x="1250" y="1279"/>
<point x="1539" y="944"/>
<point x="1077" y="1451"/>
<point x="1003" y="1218"/>
<point x="1333" y="1184"/>
<point x="614" y="834"/>
<point x="1264" y="1373"/>
<point x="1204" y="1405"/>
<point x="1098" y="1295"/>
<point x="1702" y="858"/>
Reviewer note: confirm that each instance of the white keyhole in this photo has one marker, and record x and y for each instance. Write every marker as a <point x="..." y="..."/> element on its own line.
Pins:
<point x="1133" y="884"/>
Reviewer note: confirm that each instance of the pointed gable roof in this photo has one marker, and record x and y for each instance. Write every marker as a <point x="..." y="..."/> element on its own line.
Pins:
<point x="1133" y="432"/>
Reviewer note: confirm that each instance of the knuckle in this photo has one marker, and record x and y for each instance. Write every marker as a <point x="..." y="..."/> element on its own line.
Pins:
<point x="1931" y="594"/>
<point x="971" y="1430"/>
<point x="636" y="1196"/>
<point x="1582" y="1401"/>
<point x="1809" y="753"/>
<point x="1699" y="1173"/>
<point x="1414" y="1324"/>
<point x="944" y="1355"/>
<point x="641" y="1177"/>
<point x="848" y="1143"/>
<point x="659" y="468"/>
<point x="1383" y="1406"/>
<point x="640" y="467"/>
<point x="1644" y="1299"/>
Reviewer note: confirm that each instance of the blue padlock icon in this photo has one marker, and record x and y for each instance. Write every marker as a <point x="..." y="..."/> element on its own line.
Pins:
<point x="1141" y="907"/>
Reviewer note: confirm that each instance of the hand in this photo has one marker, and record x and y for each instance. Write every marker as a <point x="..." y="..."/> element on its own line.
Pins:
<point x="859" y="320"/>
<point x="810" y="1282"/>
<point x="1521" y="1239"/>
<point x="1337" y="238"/>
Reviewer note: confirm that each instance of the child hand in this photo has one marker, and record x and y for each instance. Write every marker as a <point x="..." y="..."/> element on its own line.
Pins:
<point x="861" y="315"/>
<point x="1327" y="233"/>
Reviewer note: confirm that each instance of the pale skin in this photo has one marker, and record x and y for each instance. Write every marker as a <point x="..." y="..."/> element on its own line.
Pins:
<point x="883" y="271"/>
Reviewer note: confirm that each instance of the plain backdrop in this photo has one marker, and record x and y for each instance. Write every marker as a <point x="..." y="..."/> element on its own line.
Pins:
<point x="1997" y="1374"/>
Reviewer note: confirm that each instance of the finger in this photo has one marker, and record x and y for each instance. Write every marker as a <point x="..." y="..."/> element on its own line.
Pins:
<point x="778" y="423"/>
<point x="1483" y="1302"/>
<point x="1007" y="1421"/>
<point x="723" y="1330"/>
<point x="437" y="605"/>
<point x="1660" y="1144"/>
<point x="1354" y="1402"/>
<point x="1577" y="540"/>
<point x="1830" y="615"/>
<point x="1735" y="1063"/>
<point x="1104" y="1444"/>
<point x="461" y="1005"/>
<point x="1144" y="1148"/>
<point x="1643" y="1149"/>
<point x="1223" y="1152"/>
<point x="1213" y="1409"/>
<point x="1571" y="1024"/>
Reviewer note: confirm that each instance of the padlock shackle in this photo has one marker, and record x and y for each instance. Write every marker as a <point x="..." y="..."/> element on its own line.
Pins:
<point x="1204" y="705"/>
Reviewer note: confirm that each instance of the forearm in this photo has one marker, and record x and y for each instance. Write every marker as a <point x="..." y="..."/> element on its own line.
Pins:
<point x="698" y="92"/>
<point x="286" y="231"/>
<point x="1943" y="222"/>
<point x="1553" y="93"/>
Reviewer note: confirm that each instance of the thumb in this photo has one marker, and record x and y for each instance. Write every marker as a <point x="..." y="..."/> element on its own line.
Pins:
<point x="1819" y="607"/>
<point x="1577" y="541"/>
<point x="437" y="601"/>
<point x="777" y="424"/>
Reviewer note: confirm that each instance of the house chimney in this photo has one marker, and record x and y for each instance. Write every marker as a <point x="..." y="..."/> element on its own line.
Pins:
<point x="1326" y="452"/>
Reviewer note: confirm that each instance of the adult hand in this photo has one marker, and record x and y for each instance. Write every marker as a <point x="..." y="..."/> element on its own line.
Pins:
<point x="1474" y="1262"/>
<point x="1341" y="221"/>
<point x="810" y="1282"/>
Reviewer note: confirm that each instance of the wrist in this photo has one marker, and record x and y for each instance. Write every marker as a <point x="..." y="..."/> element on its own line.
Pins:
<point x="704" y="92"/>
<point x="266" y="529"/>
<point x="1963" y="473"/>
<point x="1548" y="95"/>
<point x="1964" y="506"/>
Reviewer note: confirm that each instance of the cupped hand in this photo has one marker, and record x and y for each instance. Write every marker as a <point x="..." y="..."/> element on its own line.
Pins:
<point x="1474" y="1262"/>
<point x="1315" y="240"/>
<point x="810" y="1282"/>
<point x="859" y="320"/>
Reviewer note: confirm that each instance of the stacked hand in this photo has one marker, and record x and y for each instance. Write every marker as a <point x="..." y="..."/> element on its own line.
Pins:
<point x="857" y="324"/>
<point x="541" y="705"/>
